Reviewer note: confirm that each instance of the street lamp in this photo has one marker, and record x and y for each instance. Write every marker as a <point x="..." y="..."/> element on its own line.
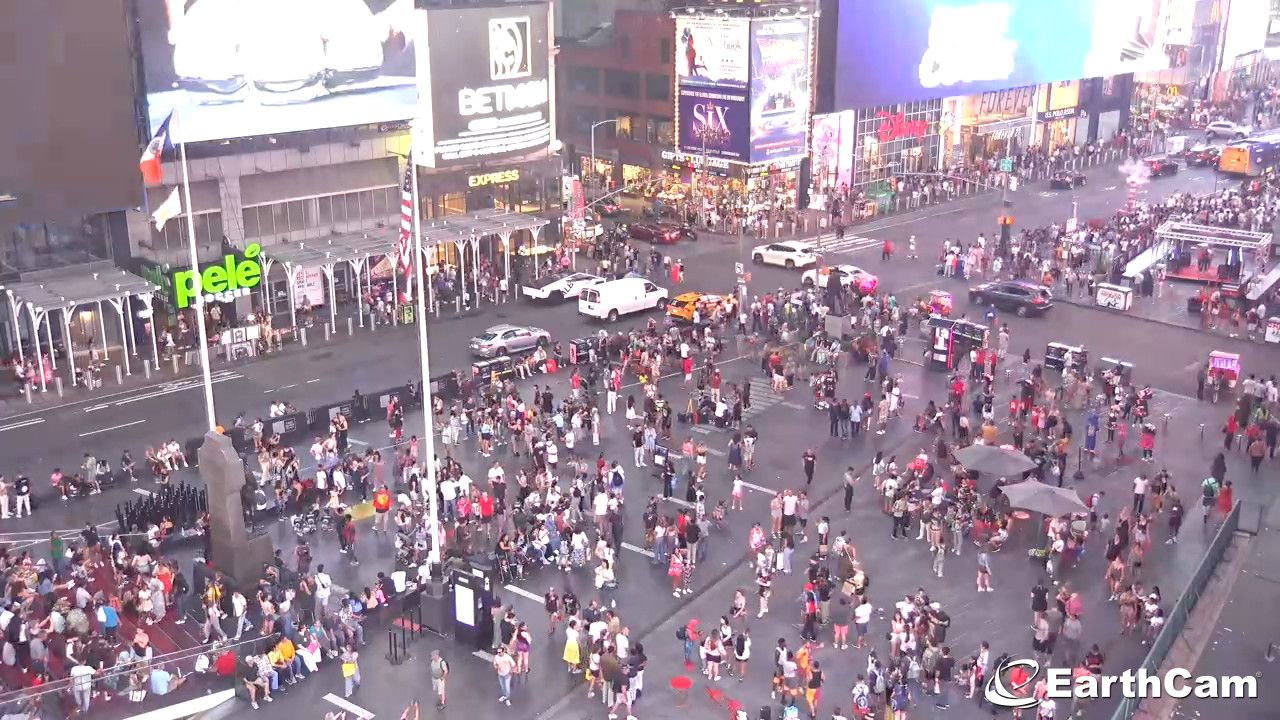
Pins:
<point x="614" y="121"/>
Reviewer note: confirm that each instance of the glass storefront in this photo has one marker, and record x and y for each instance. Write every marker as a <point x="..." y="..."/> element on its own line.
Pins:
<point x="897" y="139"/>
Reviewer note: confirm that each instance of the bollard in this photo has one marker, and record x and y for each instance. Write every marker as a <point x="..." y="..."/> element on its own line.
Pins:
<point x="1164" y="424"/>
<point x="457" y="304"/>
<point x="351" y="328"/>
<point x="26" y="390"/>
<point x="174" y="358"/>
<point x="119" y="375"/>
<point x="1008" y="376"/>
<point x="57" y="384"/>
<point x="1201" y="432"/>
<point x="326" y="332"/>
<point x="146" y="368"/>
<point x="302" y="336"/>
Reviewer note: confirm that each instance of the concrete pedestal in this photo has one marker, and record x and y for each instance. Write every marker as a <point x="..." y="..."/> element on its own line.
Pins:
<point x="237" y="555"/>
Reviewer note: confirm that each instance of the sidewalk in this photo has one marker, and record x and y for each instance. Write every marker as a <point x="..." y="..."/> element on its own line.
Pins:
<point x="1167" y="307"/>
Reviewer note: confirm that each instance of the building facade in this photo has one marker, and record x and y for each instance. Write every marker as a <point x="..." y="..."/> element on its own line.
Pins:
<point x="617" y="78"/>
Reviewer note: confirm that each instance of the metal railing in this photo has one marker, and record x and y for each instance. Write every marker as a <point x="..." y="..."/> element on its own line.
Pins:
<point x="1176" y="620"/>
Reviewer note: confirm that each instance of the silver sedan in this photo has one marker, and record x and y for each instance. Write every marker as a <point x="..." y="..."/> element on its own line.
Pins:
<point x="507" y="339"/>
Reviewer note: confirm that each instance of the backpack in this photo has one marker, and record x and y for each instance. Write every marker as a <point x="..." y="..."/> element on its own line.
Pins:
<point x="682" y="634"/>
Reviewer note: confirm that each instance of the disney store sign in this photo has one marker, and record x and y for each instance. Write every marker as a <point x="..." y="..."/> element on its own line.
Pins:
<point x="895" y="126"/>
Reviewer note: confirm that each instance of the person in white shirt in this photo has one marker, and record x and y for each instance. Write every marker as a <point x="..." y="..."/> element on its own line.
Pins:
<point x="1139" y="493"/>
<point x="324" y="586"/>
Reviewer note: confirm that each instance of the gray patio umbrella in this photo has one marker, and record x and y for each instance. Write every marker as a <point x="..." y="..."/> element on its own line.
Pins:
<point x="994" y="460"/>
<point x="1038" y="497"/>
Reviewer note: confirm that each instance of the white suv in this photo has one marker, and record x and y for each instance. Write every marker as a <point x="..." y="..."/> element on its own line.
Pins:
<point x="1227" y="129"/>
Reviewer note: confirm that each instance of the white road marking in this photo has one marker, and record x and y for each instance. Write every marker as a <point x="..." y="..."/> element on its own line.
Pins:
<point x="313" y="380"/>
<point x="143" y="492"/>
<point x="678" y="501"/>
<point x="170" y="388"/>
<point x="286" y="387"/>
<point x="96" y="408"/>
<point x="113" y="427"/>
<point x="350" y="707"/>
<point x="522" y="592"/>
<point x="758" y="488"/>
<point x="354" y="441"/>
<point x="637" y="549"/>
<point x="793" y="405"/>
<point x="701" y="429"/>
<point x="24" y="423"/>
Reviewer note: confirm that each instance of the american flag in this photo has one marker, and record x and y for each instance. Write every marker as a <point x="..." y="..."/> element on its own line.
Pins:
<point x="404" y="246"/>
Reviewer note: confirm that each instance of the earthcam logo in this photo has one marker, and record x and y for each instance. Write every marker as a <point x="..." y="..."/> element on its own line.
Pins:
<point x="1065" y="684"/>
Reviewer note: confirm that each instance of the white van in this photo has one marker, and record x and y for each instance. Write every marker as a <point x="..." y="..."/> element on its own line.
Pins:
<point x="620" y="297"/>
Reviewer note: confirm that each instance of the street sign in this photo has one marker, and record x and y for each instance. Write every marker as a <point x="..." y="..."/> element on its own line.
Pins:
<point x="1006" y="165"/>
<point x="737" y="268"/>
<point x="1071" y="224"/>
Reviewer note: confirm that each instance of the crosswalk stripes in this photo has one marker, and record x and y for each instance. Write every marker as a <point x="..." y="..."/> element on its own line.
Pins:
<point x="763" y="397"/>
<point x="829" y="245"/>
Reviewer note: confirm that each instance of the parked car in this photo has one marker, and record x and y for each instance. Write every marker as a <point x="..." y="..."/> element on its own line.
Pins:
<point x="1067" y="180"/>
<point x="1203" y="155"/>
<point x="506" y="339"/>
<point x="1023" y="298"/>
<point x="559" y="286"/>
<point x="864" y="282"/>
<point x="656" y="233"/>
<point x="609" y="300"/>
<point x="1227" y="129"/>
<point x="790" y="254"/>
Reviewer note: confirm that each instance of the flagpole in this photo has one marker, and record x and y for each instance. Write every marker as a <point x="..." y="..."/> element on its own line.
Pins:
<point x="203" y="338"/>
<point x="428" y="420"/>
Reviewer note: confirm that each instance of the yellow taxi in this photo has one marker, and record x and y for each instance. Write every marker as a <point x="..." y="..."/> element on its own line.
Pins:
<point x="683" y="305"/>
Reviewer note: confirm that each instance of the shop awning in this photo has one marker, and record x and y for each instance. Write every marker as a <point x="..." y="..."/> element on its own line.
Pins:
<point x="303" y="183"/>
<point x="71" y="287"/>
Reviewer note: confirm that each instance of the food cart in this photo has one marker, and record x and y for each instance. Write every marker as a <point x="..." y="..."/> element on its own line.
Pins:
<point x="1224" y="366"/>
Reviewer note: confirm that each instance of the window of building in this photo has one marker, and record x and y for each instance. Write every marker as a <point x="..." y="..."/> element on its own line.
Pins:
<point x="627" y="127"/>
<point x="622" y="84"/>
<point x="624" y="45"/>
<point x="666" y="132"/>
<point x="584" y="80"/>
<point x="665" y="51"/>
<point x="208" y="232"/>
<point x="657" y="87"/>
<point x="1109" y="86"/>
<point x="581" y="119"/>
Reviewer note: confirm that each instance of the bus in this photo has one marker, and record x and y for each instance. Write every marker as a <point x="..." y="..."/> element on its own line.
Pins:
<point x="1252" y="157"/>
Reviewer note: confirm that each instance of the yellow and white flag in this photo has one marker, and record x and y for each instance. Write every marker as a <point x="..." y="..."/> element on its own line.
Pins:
<point x="168" y="210"/>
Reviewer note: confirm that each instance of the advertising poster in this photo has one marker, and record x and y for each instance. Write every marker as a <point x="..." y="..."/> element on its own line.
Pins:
<point x="715" y="123"/>
<point x="485" y="82"/>
<point x="308" y="288"/>
<point x="832" y="148"/>
<point x="779" y="89"/>
<point x="919" y="49"/>
<point x="711" y="52"/>
<point x="1247" y="24"/>
<point x="239" y="68"/>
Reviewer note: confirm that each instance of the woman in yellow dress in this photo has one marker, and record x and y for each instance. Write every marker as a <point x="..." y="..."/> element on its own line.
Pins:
<point x="572" y="651"/>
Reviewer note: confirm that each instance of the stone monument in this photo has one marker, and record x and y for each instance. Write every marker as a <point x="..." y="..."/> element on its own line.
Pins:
<point x="235" y="553"/>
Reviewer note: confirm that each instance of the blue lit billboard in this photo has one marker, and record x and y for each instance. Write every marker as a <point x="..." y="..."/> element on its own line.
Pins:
<point x="779" y="88"/>
<point x="891" y="52"/>
<point x="715" y="122"/>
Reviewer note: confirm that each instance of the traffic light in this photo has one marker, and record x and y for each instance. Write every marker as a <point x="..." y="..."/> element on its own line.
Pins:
<point x="1006" y="230"/>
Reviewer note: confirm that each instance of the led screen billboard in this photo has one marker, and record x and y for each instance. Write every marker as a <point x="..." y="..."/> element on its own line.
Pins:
<point x="712" y="52"/>
<point x="1247" y="24"/>
<point x="485" y="83"/>
<point x="918" y="49"/>
<point x="237" y="68"/>
<point x="715" y="122"/>
<point x="780" y="88"/>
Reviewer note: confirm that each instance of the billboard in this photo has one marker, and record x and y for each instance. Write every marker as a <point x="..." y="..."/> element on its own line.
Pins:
<point x="238" y="68"/>
<point x="1247" y="25"/>
<point x="715" y="122"/>
<point x="780" y="88"/>
<point x="712" y="52"/>
<point x="919" y="49"/>
<point x="486" y="88"/>
<point x="833" y="142"/>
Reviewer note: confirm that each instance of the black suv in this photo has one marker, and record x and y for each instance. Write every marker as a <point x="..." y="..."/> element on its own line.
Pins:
<point x="1023" y="298"/>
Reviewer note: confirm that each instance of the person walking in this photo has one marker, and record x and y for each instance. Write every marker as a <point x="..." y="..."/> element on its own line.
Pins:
<point x="504" y="665"/>
<point x="350" y="659"/>
<point x="439" y="679"/>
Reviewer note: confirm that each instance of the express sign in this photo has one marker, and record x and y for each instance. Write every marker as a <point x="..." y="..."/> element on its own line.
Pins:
<point x="235" y="276"/>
